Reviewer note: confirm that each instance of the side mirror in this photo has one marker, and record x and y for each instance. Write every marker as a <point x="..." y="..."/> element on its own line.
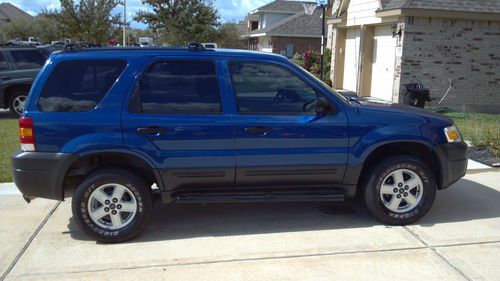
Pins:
<point x="323" y="107"/>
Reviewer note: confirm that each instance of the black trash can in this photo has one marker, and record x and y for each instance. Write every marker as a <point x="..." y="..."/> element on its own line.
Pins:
<point x="417" y="94"/>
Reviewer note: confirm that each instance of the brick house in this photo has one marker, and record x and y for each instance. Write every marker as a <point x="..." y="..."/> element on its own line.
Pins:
<point x="380" y="45"/>
<point x="283" y="27"/>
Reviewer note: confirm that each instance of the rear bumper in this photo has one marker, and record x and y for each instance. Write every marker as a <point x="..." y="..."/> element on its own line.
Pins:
<point x="41" y="174"/>
<point x="453" y="157"/>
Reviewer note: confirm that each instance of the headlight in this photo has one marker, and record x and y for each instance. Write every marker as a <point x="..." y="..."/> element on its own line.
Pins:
<point x="452" y="134"/>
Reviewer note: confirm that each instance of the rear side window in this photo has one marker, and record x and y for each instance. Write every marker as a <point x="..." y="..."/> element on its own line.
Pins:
<point x="78" y="86"/>
<point x="178" y="87"/>
<point x="28" y="59"/>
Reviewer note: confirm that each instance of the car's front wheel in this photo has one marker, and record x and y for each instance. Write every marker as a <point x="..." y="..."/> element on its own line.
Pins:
<point x="112" y="205"/>
<point x="400" y="190"/>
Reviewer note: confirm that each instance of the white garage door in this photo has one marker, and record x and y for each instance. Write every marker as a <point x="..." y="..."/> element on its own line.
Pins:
<point x="384" y="58"/>
<point x="351" y="59"/>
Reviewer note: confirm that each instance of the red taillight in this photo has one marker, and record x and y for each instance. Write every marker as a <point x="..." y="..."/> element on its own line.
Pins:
<point x="26" y="134"/>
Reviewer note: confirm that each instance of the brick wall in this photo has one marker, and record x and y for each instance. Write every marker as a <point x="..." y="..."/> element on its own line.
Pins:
<point x="300" y="44"/>
<point x="468" y="52"/>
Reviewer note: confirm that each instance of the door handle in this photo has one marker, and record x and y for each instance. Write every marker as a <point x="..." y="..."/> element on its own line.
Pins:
<point x="259" y="130"/>
<point x="5" y="77"/>
<point x="153" y="130"/>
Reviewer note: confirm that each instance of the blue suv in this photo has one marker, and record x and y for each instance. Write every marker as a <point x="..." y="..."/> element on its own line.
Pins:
<point x="114" y="127"/>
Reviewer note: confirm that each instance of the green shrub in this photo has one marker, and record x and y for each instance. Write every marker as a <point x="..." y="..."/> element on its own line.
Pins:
<point x="311" y="61"/>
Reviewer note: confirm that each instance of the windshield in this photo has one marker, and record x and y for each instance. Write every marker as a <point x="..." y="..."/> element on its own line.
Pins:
<point x="330" y="90"/>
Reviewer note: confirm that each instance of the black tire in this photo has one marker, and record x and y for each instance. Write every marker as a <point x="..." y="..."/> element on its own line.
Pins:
<point x="12" y="100"/>
<point x="374" y="182"/>
<point x="134" y="184"/>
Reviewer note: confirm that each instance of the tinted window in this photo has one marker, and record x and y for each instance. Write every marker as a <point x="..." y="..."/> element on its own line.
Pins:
<point x="178" y="87"/>
<point x="269" y="89"/>
<point x="3" y="63"/>
<point x="29" y="59"/>
<point x="76" y="86"/>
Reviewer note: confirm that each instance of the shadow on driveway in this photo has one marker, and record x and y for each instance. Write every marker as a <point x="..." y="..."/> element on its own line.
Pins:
<point x="466" y="200"/>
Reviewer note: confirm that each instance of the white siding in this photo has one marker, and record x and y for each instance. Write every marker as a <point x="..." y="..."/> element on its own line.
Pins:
<point x="351" y="62"/>
<point x="362" y="12"/>
<point x="384" y="59"/>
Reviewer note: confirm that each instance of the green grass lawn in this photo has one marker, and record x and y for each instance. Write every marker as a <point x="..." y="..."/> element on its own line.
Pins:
<point x="483" y="130"/>
<point x="9" y="142"/>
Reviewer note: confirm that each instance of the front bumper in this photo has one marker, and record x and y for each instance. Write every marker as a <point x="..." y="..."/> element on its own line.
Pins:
<point x="41" y="174"/>
<point x="453" y="157"/>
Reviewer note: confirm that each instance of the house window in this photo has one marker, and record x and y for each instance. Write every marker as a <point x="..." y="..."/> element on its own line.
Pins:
<point x="255" y="25"/>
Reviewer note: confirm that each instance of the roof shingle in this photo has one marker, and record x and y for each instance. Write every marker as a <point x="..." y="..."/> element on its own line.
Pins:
<point x="485" y="6"/>
<point x="283" y="6"/>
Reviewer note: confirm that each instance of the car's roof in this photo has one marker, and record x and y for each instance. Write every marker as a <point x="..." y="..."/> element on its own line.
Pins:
<point x="9" y="48"/>
<point x="158" y="51"/>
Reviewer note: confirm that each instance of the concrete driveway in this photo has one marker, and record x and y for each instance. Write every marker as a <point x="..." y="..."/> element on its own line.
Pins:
<point x="458" y="240"/>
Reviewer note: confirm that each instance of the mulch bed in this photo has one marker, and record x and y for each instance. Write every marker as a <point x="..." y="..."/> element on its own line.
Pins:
<point x="483" y="155"/>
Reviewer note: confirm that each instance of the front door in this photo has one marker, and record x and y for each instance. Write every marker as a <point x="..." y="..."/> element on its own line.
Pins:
<point x="175" y="117"/>
<point x="279" y="138"/>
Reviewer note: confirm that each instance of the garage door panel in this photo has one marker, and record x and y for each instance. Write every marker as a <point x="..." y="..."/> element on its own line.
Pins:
<point x="351" y="61"/>
<point x="384" y="58"/>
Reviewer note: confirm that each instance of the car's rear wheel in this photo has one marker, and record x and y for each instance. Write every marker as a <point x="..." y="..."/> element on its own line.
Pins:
<point x="17" y="102"/>
<point x="112" y="205"/>
<point x="400" y="190"/>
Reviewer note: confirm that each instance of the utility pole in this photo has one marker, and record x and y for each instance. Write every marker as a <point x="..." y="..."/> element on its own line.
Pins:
<point x="124" y="23"/>
<point x="323" y="6"/>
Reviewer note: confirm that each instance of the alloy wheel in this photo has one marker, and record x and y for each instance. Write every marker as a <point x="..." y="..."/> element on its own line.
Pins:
<point x="112" y="206"/>
<point x="401" y="191"/>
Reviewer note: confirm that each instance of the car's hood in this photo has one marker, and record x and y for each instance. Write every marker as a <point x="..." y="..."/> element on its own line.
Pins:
<point x="382" y="105"/>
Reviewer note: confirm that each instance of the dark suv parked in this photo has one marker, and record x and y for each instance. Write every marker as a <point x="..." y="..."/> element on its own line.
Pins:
<point x="112" y="127"/>
<point x="18" y="69"/>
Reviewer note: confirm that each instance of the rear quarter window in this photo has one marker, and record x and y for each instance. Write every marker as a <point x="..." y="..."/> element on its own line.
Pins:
<point x="29" y="59"/>
<point x="79" y="86"/>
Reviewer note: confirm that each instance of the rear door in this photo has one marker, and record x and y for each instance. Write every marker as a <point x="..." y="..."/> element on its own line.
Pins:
<point x="176" y="119"/>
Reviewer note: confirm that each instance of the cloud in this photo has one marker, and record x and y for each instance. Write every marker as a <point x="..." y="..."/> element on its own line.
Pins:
<point x="235" y="10"/>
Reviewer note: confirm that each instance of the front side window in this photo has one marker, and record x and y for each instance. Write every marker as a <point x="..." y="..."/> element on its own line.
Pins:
<point x="28" y="59"/>
<point x="178" y="87"/>
<point x="78" y="86"/>
<point x="262" y="88"/>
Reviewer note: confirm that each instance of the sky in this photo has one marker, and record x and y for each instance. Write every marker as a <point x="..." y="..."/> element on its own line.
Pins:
<point x="229" y="10"/>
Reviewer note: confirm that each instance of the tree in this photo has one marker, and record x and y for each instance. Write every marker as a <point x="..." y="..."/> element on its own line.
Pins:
<point x="18" y="28"/>
<point x="229" y="37"/>
<point x="180" y="21"/>
<point x="90" y="20"/>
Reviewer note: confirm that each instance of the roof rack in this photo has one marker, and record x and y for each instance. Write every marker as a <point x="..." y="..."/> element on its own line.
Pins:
<point x="196" y="46"/>
<point x="73" y="47"/>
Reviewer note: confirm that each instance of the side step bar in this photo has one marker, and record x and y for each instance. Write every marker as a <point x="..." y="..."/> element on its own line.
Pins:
<point x="269" y="197"/>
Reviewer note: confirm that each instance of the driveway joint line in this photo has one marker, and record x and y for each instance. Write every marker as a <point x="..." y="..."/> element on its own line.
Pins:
<point x="222" y="261"/>
<point x="28" y="243"/>
<point x="441" y="256"/>
<point x="466" y="244"/>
